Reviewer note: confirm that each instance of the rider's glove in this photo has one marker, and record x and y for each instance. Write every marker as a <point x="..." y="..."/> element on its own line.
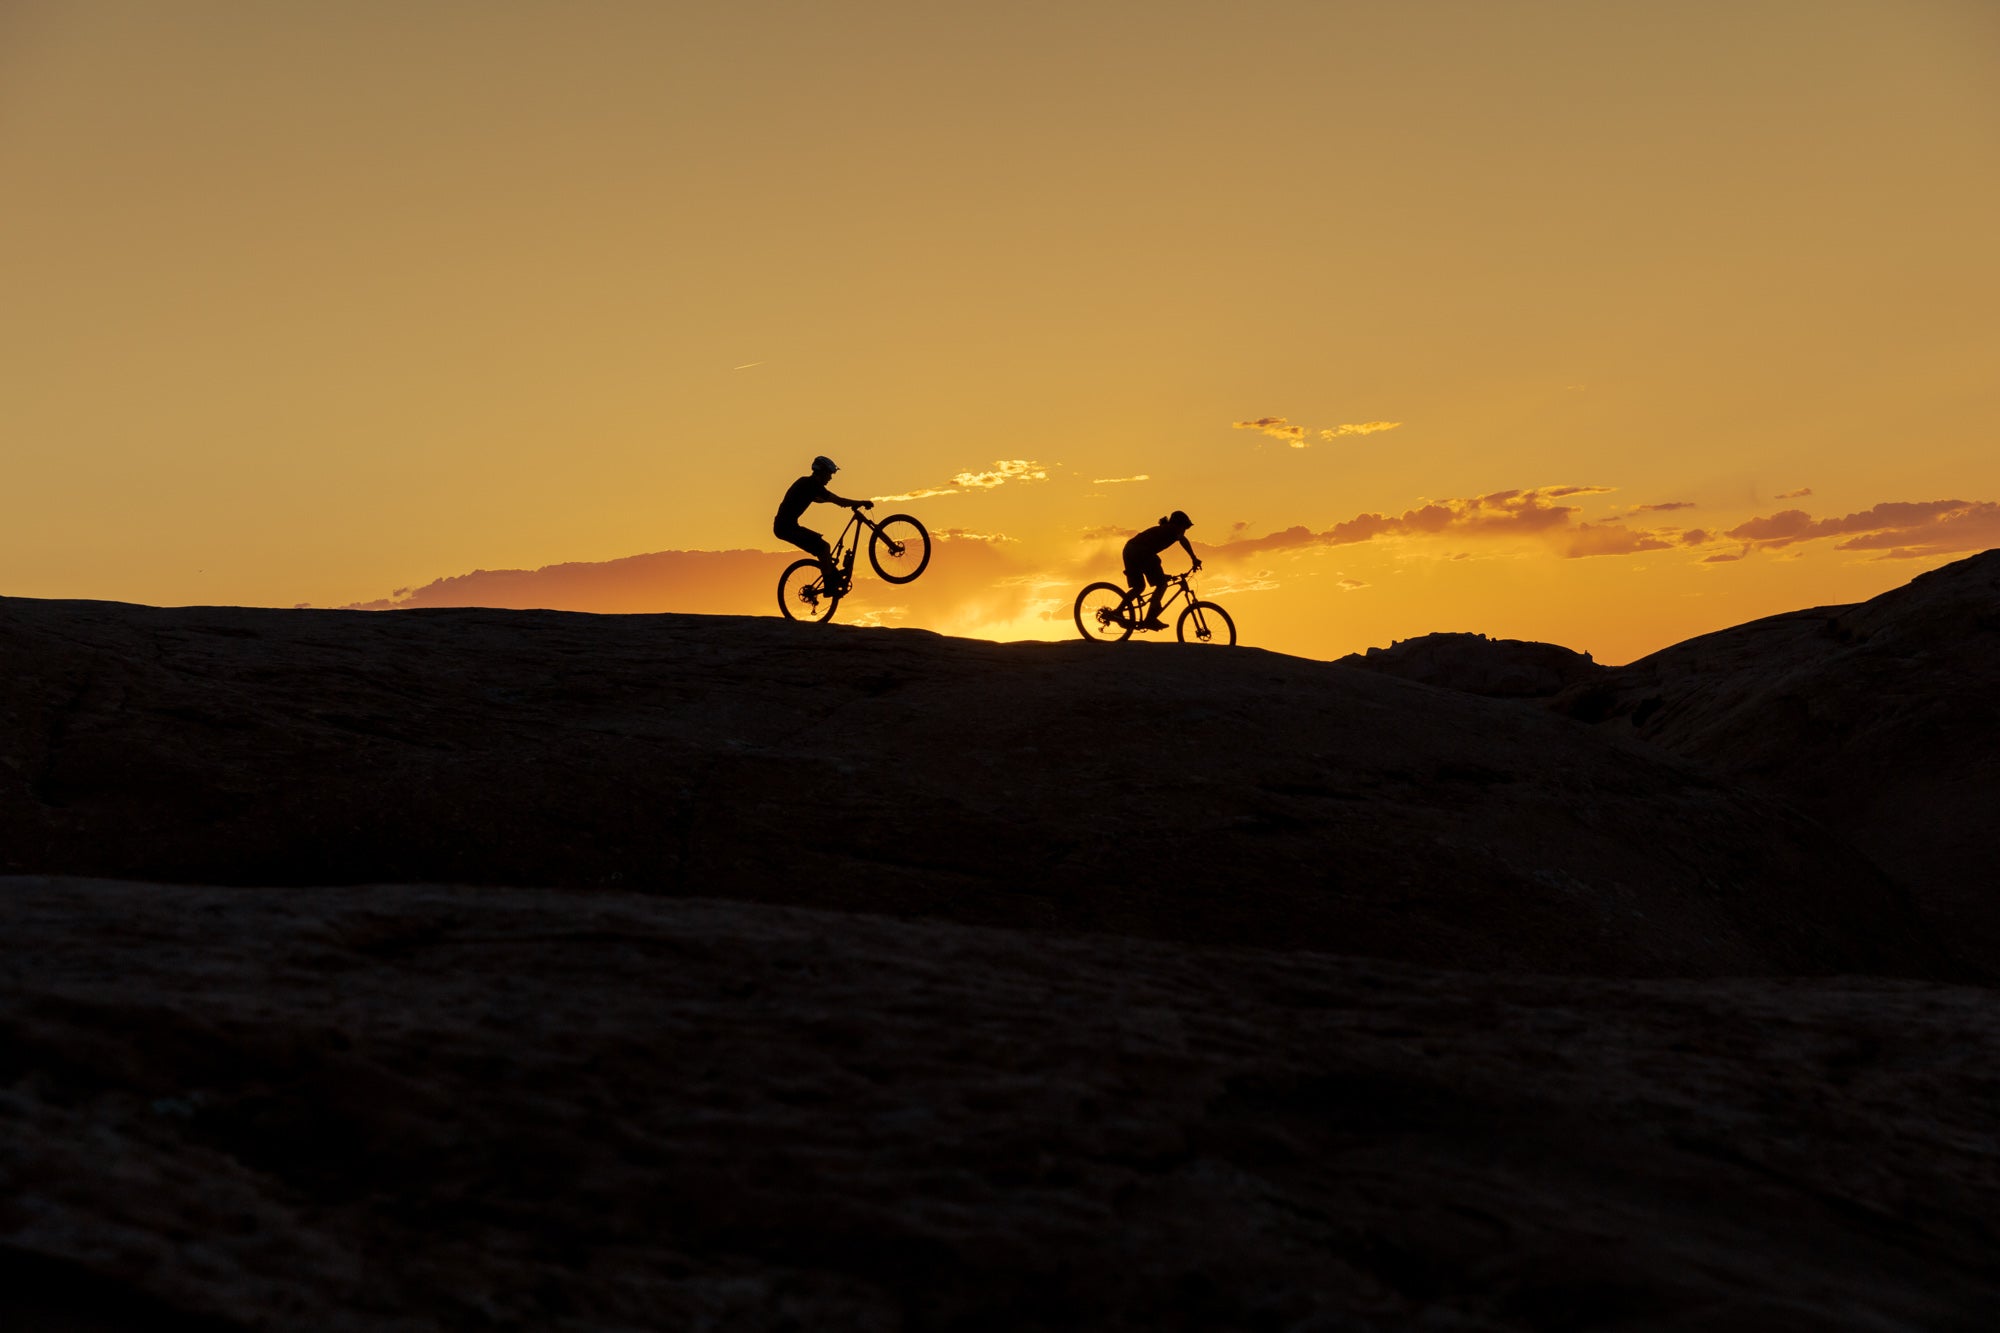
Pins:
<point x="865" y="504"/>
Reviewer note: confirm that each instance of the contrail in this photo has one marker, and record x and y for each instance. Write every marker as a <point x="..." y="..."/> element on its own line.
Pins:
<point x="746" y="365"/>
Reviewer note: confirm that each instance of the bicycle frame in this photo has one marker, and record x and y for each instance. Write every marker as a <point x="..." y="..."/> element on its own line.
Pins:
<point x="1177" y="588"/>
<point x="844" y="550"/>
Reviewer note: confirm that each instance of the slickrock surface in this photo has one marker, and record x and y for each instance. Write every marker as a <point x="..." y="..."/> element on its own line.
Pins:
<point x="420" y="1107"/>
<point x="1232" y="796"/>
<point x="825" y="977"/>
<point x="1880" y="719"/>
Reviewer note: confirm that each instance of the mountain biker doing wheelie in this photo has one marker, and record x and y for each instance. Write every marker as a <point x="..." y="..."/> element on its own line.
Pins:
<point x="1142" y="561"/>
<point x="808" y="490"/>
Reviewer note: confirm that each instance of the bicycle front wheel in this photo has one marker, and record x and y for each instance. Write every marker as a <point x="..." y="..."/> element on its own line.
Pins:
<point x="1101" y="615"/>
<point x="802" y="592"/>
<point x="1205" y="622"/>
<point x="900" y="548"/>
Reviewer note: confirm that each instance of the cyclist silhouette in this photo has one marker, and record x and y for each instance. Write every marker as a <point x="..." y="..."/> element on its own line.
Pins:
<point x="1142" y="561"/>
<point x="808" y="490"/>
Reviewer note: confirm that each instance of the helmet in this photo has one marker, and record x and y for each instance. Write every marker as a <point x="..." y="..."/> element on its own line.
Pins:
<point x="826" y="465"/>
<point x="1180" y="519"/>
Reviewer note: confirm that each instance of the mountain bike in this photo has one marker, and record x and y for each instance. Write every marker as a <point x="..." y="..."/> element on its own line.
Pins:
<point x="1108" y="613"/>
<point x="898" y="547"/>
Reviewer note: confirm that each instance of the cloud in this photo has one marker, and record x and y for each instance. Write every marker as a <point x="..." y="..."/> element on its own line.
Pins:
<point x="1119" y="481"/>
<point x="1280" y="428"/>
<point x="1501" y="513"/>
<point x="1778" y="529"/>
<point x="1900" y="530"/>
<point x="1232" y="585"/>
<point x="1663" y="508"/>
<point x="961" y="535"/>
<point x="1590" y="539"/>
<point x="967" y="570"/>
<point x="1799" y="494"/>
<point x="1346" y="584"/>
<point x="1277" y="428"/>
<point x="1003" y="471"/>
<point x="1534" y="513"/>
<point x="710" y="582"/>
<point x="1358" y="428"/>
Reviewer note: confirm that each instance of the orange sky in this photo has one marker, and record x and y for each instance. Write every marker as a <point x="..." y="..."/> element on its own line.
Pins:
<point x="1602" y="324"/>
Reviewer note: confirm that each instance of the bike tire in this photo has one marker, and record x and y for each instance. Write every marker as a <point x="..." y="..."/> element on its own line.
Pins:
<point x="1205" y="622"/>
<point x="899" y="548"/>
<point x="801" y="594"/>
<point x="1097" y="617"/>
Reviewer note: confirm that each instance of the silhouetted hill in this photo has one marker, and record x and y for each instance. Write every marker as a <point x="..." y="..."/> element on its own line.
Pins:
<point x="1118" y="1064"/>
<point x="1497" y="668"/>
<point x="1138" y="789"/>
<point x="1880" y="719"/>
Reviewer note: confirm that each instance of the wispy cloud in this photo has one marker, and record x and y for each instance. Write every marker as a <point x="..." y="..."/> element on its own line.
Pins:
<point x="968" y="569"/>
<point x="1663" y="508"/>
<point x="1899" y="530"/>
<point x="1358" y="428"/>
<point x="1118" y="481"/>
<point x="710" y="582"/>
<point x="1003" y="471"/>
<point x="1588" y="539"/>
<point x="1300" y="437"/>
<point x="1498" y="514"/>
<point x="1532" y="514"/>
<point x="1799" y="494"/>
<point x="1277" y="428"/>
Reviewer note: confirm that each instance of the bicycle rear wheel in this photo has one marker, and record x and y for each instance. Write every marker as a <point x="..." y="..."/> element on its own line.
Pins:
<point x="900" y="549"/>
<point x="1101" y="615"/>
<point x="1205" y="622"/>
<point x="802" y="592"/>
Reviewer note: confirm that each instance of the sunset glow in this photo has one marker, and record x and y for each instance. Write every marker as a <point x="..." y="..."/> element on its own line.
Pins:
<point x="1604" y="325"/>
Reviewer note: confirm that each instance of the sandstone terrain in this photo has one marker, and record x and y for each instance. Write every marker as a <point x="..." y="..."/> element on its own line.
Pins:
<point x="475" y="969"/>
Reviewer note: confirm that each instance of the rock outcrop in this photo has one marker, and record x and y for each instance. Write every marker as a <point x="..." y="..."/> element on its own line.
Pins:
<point x="1236" y="796"/>
<point x="1881" y="720"/>
<point x="1475" y="664"/>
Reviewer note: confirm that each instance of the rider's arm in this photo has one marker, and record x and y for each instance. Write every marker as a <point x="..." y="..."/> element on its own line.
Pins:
<point x="831" y="498"/>
<point x="1185" y="546"/>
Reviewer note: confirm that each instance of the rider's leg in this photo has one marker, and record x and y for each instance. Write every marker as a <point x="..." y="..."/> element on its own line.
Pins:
<point x="1157" y="576"/>
<point x="1135" y="586"/>
<point x="813" y="545"/>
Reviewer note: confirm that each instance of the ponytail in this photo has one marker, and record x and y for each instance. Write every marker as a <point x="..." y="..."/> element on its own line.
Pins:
<point x="1163" y="520"/>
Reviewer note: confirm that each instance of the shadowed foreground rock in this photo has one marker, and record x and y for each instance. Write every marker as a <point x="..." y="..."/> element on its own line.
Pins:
<point x="1231" y="796"/>
<point x="419" y="1108"/>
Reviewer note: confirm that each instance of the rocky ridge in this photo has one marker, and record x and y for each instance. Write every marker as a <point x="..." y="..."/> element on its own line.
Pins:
<point x="770" y="976"/>
<point x="1229" y="797"/>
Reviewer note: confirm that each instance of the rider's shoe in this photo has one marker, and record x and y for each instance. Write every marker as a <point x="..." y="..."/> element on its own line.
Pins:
<point x="1151" y="622"/>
